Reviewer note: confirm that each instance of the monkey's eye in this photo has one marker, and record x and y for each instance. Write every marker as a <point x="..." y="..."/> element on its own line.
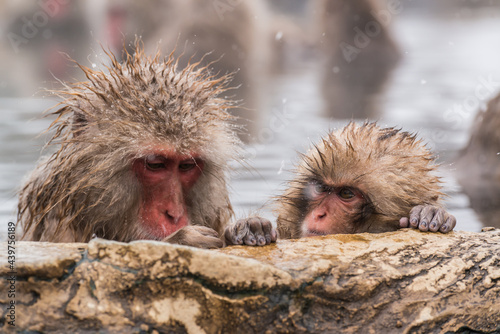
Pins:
<point x="154" y="163"/>
<point x="186" y="166"/>
<point x="155" y="166"/>
<point x="346" y="193"/>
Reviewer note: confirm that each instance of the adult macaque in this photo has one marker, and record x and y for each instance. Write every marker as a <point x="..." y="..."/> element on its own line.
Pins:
<point x="363" y="178"/>
<point x="143" y="153"/>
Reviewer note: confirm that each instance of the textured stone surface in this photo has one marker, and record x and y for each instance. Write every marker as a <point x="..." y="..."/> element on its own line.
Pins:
<point x="401" y="282"/>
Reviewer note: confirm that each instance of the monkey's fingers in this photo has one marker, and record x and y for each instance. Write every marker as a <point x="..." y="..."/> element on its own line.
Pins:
<point x="449" y="225"/>
<point x="254" y="236"/>
<point x="270" y="233"/>
<point x="256" y="225"/>
<point x="234" y="234"/>
<point x="420" y="216"/>
<point x="253" y="231"/>
<point x="415" y="216"/>
<point x="429" y="218"/>
<point x="426" y="216"/>
<point x="263" y="231"/>
<point x="438" y="220"/>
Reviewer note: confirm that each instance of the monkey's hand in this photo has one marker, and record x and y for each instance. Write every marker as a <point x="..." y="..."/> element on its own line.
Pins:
<point x="429" y="218"/>
<point x="254" y="231"/>
<point x="196" y="236"/>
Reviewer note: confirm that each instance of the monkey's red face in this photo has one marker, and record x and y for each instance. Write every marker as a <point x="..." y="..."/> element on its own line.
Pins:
<point x="166" y="180"/>
<point x="332" y="209"/>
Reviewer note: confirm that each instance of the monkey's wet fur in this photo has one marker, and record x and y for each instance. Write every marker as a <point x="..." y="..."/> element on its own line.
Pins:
<point x="141" y="152"/>
<point x="363" y="178"/>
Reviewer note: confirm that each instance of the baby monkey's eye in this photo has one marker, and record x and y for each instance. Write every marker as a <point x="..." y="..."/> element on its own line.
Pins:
<point x="346" y="193"/>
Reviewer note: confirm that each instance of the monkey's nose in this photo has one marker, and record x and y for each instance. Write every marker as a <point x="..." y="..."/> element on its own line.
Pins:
<point x="317" y="222"/>
<point x="173" y="217"/>
<point x="321" y="216"/>
<point x="174" y="209"/>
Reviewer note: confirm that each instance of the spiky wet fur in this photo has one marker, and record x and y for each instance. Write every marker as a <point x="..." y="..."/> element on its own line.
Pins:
<point x="87" y="186"/>
<point x="391" y="167"/>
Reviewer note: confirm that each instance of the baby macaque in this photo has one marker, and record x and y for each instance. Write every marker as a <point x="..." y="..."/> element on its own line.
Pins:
<point x="363" y="178"/>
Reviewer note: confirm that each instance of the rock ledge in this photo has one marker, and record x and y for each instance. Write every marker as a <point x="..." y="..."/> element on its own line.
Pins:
<point x="401" y="282"/>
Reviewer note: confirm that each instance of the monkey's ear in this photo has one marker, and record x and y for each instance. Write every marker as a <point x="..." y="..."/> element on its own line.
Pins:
<point x="78" y="123"/>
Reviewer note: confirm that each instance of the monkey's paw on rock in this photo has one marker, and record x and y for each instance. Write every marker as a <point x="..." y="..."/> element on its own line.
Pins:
<point x="253" y="231"/>
<point x="429" y="218"/>
<point x="399" y="282"/>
